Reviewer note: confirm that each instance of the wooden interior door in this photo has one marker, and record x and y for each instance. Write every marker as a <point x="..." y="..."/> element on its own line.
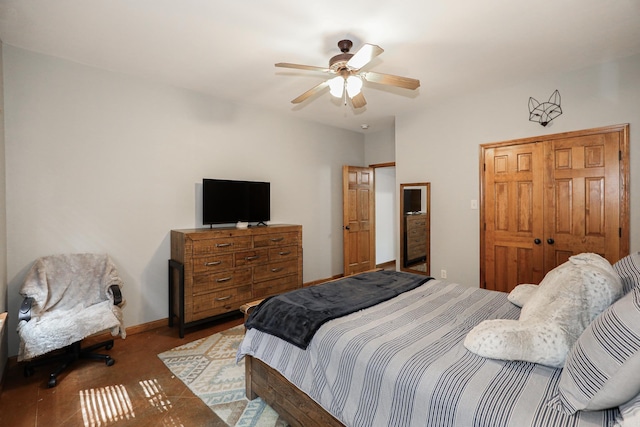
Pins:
<point x="582" y="208"/>
<point x="545" y="199"/>
<point x="513" y="215"/>
<point x="358" y="219"/>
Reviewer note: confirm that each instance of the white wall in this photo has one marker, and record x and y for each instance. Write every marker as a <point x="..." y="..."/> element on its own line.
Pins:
<point x="441" y="145"/>
<point x="379" y="149"/>
<point x="102" y="162"/>
<point x="387" y="240"/>
<point x="3" y="228"/>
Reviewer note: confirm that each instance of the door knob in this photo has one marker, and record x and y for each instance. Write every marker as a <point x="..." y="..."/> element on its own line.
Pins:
<point x="550" y="241"/>
<point x="537" y="241"/>
<point x="346" y="227"/>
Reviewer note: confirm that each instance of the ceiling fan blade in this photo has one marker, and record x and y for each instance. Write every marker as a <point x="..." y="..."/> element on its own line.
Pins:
<point x="391" y="80"/>
<point x="302" y="67"/>
<point x="311" y="92"/>
<point x="364" y="55"/>
<point x="358" y="101"/>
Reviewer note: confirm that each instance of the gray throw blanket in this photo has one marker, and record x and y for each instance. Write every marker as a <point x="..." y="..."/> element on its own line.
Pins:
<point x="296" y="316"/>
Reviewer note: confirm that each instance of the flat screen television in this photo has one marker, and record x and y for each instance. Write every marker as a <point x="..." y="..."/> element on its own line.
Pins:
<point x="412" y="200"/>
<point x="229" y="201"/>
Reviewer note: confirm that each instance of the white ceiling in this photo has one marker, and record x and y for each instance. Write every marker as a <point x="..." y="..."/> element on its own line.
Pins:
<point x="228" y="47"/>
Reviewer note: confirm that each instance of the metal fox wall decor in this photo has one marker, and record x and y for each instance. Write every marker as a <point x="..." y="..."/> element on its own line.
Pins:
<point x="544" y="112"/>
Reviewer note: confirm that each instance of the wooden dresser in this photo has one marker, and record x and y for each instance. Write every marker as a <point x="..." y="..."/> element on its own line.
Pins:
<point x="213" y="271"/>
<point x="416" y="229"/>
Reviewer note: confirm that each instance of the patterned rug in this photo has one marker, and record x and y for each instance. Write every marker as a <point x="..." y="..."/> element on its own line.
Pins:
<point x="208" y="367"/>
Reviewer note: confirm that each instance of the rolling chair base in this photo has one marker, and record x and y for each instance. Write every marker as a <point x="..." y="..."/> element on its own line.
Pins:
<point x="71" y="353"/>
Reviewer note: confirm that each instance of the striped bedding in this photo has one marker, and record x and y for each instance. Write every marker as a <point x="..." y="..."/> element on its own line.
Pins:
<point x="402" y="363"/>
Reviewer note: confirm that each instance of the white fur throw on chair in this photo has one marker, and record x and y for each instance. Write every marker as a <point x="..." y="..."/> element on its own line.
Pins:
<point x="71" y="300"/>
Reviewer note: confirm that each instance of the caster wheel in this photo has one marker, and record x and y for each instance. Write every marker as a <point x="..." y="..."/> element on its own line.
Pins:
<point x="109" y="362"/>
<point x="28" y="372"/>
<point x="109" y="346"/>
<point x="52" y="382"/>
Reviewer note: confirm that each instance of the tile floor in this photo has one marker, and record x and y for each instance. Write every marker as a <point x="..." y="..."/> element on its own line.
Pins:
<point x="138" y="390"/>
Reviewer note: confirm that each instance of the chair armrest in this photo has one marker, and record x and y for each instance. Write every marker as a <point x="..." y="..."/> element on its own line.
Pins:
<point x="24" y="313"/>
<point x="117" y="294"/>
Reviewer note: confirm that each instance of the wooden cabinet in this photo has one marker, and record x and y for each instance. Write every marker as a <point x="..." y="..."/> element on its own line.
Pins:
<point x="551" y="197"/>
<point x="416" y="244"/>
<point x="213" y="271"/>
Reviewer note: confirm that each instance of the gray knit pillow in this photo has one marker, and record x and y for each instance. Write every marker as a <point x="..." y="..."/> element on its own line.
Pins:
<point x="602" y="368"/>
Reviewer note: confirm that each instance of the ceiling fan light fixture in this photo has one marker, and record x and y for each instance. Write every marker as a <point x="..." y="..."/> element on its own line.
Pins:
<point x="336" y="86"/>
<point x="354" y="85"/>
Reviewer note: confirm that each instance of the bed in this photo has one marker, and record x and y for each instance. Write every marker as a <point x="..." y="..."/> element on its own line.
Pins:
<point x="402" y="362"/>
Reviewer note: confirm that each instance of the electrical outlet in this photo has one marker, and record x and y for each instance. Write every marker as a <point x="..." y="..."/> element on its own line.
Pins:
<point x="443" y="274"/>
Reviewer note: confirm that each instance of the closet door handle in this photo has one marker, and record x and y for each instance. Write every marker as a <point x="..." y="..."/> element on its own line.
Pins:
<point x="550" y="241"/>
<point x="537" y="241"/>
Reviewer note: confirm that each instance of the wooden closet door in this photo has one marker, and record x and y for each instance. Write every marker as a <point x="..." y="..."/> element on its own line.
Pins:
<point x="513" y="203"/>
<point x="545" y="199"/>
<point x="582" y="200"/>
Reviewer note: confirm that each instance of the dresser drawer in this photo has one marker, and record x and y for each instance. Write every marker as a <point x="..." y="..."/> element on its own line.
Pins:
<point x="275" y="269"/>
<point x="213" y="263"/>
<point x="228" y="299"/>
<point x="283" y="253"/>
<point x="224" y="279"/>
<point x="253" y="257"/>
<point x="275" y="286"/>
<point x="223" y="244"/>
<point x="276" y="239"/>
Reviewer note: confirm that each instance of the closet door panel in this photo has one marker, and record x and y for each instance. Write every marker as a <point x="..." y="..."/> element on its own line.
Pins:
<point x="513" y="216"/>
<point x="582" y="205"/>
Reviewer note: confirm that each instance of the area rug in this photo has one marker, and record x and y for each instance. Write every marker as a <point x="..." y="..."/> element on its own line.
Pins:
<point x="208" y="367"/>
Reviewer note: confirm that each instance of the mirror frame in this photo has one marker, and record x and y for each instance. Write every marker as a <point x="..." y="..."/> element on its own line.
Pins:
<point x="427" y="236"/>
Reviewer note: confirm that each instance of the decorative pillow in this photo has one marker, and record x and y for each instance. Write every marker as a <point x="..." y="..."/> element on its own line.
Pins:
<point x="569" y="297"/>
<point x="521" y="294"/>
<point x="629" y="270"/>
<point x="630" y="412"/>
<point x="602" y="368"/>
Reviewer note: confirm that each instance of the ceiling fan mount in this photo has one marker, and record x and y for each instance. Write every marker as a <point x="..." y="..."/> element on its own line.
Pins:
<point x="339" y="61"/>
<point x="347" y="75"/>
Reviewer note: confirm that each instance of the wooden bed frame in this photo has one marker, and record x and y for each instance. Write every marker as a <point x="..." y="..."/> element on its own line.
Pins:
<point x="291" y="403"/>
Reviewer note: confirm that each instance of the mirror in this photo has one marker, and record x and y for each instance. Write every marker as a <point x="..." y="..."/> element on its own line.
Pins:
<point x="415" y="227"/>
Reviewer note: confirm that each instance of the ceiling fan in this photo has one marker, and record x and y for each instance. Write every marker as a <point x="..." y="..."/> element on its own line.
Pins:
<point x="348" y="75"/>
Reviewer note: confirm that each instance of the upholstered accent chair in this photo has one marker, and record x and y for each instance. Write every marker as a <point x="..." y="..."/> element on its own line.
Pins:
<point x="66" y="299"/>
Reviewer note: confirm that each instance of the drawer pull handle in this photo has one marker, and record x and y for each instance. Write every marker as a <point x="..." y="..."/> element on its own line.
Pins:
<point x="224" y="279"/>
<point x="223" y="245"/>
<point x="223" y="298"/>
<point x="284" y="253"/>
<point x="251" y="258"/>
<point x="277" y="239"/>
<point x="275" y="270"/>
<point x="209" y="264"/>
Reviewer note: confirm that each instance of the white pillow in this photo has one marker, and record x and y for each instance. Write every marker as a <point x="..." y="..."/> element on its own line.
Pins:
<point x="521" y="294"/>
<point x="569" y="297"/>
